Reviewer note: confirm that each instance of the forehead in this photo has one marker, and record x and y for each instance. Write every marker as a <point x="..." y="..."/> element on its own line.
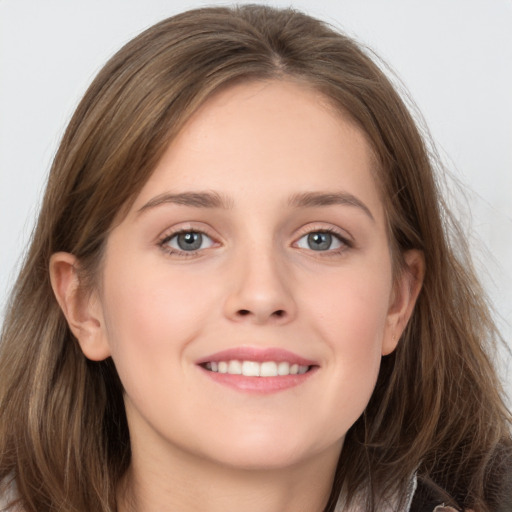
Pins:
<point x="267" y="138"/>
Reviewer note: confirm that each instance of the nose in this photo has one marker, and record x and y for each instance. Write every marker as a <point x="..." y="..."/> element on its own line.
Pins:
<point x="260" y="290"/>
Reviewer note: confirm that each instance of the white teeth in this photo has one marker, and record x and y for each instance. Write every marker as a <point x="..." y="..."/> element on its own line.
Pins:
<point x="234" y="367"/>
<point x="303" y="369"/>
<point x="283" y="368"/>
<point x="250" y="369"/>
<point x="268" y="369"/>
<point x="255" y="369"/>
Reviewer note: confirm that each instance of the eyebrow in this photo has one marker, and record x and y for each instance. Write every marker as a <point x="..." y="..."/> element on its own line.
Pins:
<point x="216" y="200"/>
<point x="194" y="199"/>
<point x="316" y="199"/>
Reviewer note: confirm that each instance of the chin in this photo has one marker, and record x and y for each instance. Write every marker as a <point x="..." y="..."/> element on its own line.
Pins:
<point x="262" y="460"/>
<point x="274" y="452"/>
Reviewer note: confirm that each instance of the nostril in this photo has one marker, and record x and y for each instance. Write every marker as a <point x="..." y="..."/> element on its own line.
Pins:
<point x="278" y="313"/>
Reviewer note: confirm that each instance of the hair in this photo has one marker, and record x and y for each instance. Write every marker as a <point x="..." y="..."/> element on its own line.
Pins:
<point x="438" y="407"/>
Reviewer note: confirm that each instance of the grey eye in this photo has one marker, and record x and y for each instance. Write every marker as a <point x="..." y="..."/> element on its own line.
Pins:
<point x="190" y="241"/>
<point x="319" y="241"/>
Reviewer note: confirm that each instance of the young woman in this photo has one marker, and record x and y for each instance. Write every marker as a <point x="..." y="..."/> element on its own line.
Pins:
<point x="241" y="293"/>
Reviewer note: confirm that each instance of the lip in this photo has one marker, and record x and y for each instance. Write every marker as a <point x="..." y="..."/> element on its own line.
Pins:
<point x="258" y="385"/>
<point x="259" y="355"/>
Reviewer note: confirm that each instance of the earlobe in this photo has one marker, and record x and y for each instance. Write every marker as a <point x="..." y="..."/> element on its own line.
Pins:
<point x="406" y="291"/>
<point x="82" y="311"/>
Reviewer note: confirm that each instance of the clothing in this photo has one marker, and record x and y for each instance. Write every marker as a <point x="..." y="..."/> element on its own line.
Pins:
<point x="412" y="504"/>
<point x="426" y="499"/>
<point x="388" y="507"/>
<point x="419" y="498"/>
<point x="7" y="496"/>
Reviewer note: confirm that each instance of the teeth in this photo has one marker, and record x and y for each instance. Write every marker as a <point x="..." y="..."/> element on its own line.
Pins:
<point x="268" y="369"/>
<point x="255" y="369"/>
<point x="251" y="369"/>
<point x="234" y="367"/>
<point x="283" y="368"/>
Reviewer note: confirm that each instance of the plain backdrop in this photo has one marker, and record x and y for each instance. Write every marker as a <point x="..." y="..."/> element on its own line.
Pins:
<point x="454" y="57"/>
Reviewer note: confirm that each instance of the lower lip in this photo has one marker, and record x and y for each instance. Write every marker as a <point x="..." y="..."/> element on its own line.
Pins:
<point x="260" y="385"/>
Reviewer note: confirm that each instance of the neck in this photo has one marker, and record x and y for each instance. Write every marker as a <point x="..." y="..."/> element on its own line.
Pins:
<point x="185" y="485"/>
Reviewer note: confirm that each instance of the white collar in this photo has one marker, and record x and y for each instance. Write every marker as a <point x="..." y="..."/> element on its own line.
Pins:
<point x="386" y="507"/>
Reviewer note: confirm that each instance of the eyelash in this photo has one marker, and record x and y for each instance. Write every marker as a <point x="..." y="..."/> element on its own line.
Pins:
<point x="346" y="243"/>
<point x="162" y="243"/>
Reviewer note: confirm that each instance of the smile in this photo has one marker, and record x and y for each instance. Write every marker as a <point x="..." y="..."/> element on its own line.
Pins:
<point x="256" y="369"/>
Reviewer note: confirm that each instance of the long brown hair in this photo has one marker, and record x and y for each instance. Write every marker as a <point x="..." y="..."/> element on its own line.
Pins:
<point x="437" y="408"/>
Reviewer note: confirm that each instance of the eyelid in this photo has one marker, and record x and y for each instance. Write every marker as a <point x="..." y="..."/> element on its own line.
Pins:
<point x="170" y="233"/>
<point x="318" y="227"/>
<point x="343" y="236"/>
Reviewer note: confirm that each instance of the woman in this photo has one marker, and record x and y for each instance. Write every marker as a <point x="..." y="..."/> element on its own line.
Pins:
<point x="242" y="294"/>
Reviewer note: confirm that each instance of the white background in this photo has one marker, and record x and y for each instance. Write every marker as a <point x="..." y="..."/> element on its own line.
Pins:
<point x="454" y="56"/>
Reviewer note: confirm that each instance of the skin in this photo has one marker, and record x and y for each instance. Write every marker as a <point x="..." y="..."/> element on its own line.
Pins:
<point x="256" y="282"/>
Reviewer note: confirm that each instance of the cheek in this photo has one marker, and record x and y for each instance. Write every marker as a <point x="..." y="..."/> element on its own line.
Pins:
<point x="349" y="312"/>
<point x="152" y="313"/>
<point x="352" y="307"/>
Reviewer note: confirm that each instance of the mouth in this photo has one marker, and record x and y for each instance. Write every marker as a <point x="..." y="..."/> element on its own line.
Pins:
<point x="256" y="369"/>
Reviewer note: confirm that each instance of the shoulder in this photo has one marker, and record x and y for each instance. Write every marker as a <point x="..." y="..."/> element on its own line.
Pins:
<point x="430" y="498"/>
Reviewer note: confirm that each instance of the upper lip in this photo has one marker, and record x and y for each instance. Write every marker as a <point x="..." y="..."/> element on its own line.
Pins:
<point x="257" y="354"/>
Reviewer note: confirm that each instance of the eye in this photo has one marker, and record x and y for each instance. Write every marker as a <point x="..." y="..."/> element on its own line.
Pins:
<point x="321" y="241"/>
<point x="187" y="241"/>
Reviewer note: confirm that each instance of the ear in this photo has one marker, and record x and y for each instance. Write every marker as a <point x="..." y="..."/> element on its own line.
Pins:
<point x="82" y="311"/>
<point x="406" y="290"/>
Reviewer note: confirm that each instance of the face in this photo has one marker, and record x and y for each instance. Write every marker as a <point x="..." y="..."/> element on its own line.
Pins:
<point x="247" y="297"/>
